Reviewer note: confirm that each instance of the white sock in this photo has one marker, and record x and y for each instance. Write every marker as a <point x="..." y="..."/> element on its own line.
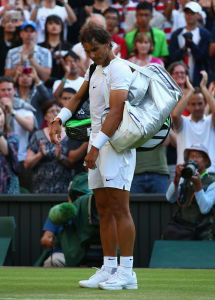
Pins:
<point x="110" y="264"/>
<point x="126" y="263"/>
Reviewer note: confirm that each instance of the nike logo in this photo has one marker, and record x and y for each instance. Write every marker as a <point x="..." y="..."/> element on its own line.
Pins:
<point x="109" y="179"/>
<point x="94" y="87"/>
<point x="111" y="258"/>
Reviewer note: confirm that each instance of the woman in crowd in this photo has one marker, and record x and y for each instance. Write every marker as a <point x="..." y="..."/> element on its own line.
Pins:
<point x="9" y="165"/>
<point x="54" y="33"/>
<point x="31" y="89"/>
<point x="51" y="169"/>
<point x="141" y="53"/>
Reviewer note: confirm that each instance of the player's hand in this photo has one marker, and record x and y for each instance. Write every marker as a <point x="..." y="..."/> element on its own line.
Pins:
<point x="55" y="132"/>
<point x="91" y="157"/>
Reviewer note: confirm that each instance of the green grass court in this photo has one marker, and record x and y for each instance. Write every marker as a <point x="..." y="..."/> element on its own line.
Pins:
<point x="154" y="284"/>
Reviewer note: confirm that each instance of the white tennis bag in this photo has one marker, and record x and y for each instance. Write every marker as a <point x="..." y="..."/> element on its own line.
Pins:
<point x="152" y="96"/>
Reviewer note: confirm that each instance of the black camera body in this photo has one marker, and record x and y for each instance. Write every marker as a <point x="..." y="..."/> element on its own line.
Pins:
<point x="188" y="35"/>
<point x="190" y="169"/>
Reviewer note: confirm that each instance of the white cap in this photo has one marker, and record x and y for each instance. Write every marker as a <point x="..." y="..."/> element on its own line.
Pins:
<point x="194" y="6"/>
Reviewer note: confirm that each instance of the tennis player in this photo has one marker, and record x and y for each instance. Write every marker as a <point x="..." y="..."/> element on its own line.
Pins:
<point x="110" y="173"/>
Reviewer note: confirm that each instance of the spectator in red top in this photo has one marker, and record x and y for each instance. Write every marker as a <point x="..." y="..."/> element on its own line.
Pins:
<point x="112" y="18"/>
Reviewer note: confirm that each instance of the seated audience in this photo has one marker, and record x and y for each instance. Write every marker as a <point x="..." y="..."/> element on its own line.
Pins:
<point x="194" y="191"/>
<point x="9" y="165"/>
<point x="29" y="54"/>
<point x="51" y="170"/>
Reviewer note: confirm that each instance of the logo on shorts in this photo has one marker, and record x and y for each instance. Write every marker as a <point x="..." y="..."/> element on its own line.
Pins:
<point x="109" y="179"/>
<point x="94" y="87"/>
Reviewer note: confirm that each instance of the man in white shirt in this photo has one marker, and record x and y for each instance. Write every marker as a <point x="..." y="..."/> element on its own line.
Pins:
<point x="197" y="127"/>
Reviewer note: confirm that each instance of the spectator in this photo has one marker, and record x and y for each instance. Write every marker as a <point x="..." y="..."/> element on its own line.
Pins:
<point x="127" y="10"/>
<point x="54" y="41"/>
<point x="21" y="119"/>
<point x="100" y="6"/>
<point x="83" y="9"/>
<point x="151" y="172"/>
<point x="70" y="63"/>
<point x="143" y="16"/>
<point x="9" y="166"/>
<point x="16" y="9"/>
<point x="141" y="53"/>
<point x="29" y="54"/>
<point x="9" y="38"/>
<point x="31" y="89"/>
<point x="158" y="19"/>
<point x="196" y="127"/>
<point x="190" y="43"/>
<point x="178" y="16"/>
<point x="48" y="7"/>
<point x="179" y="73"/>
<point x="112" y="19"/>
<point x="51" y="168"/>
<point x="212" y="60"/>
<point x="193" y="219"/>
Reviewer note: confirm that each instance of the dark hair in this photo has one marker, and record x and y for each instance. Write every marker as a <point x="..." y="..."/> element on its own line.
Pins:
<point x="72" y="54"/>
<point x="47" y="104"/>
<point x="197" y="90"/>
<point x="67" y="90"/>
<point x="175" y="64"/>
<point x="92" y="32"/>
<point x="57" y="20"/>
<point x="112" y="10"/>
<point x="144" y="6"/>
<point x="6" y="79"/>
<point x="7" y="127"/>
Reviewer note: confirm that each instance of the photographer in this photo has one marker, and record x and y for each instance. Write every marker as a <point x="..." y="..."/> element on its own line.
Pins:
<point x="194" y="191"/>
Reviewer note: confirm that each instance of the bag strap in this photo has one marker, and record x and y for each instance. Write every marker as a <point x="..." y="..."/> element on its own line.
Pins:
<point x="86" y="94"/>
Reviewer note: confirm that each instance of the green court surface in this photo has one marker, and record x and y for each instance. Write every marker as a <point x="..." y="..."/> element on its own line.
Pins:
<point x="154" y="284"/>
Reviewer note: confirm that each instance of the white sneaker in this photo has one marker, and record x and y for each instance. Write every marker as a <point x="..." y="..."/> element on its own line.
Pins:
<point x="93" y="282"/>
<point x="120" y="280"/>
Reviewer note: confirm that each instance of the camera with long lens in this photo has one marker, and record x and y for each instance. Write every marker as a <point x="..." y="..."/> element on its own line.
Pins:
<point x="190" y="169"/>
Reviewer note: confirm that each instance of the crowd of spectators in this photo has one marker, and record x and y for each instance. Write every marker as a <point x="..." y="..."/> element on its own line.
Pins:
<point x="42" y="64"/>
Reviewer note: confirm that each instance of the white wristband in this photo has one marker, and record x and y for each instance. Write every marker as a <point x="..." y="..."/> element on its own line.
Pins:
<point x="64" y="114"/>
<point x="100" y="140"/>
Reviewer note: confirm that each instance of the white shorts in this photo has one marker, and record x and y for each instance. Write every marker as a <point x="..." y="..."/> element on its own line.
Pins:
<point x="113" y="169"/>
